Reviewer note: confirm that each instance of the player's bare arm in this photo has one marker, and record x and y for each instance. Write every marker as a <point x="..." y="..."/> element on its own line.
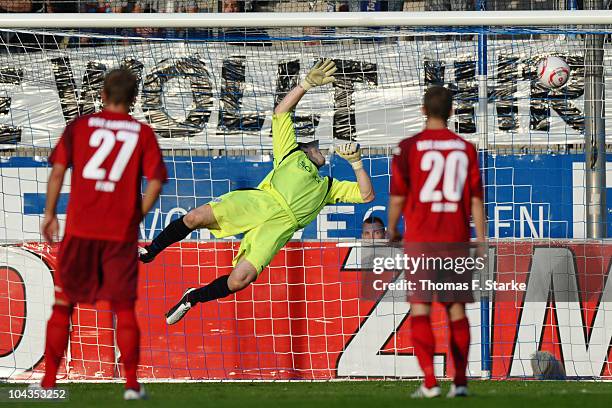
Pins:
<point x="478" y="216"/>
<point x="50" y="226"/>
<point x="150" y="195"/>
<point x="365" y="185"/>
<point x="351" y="152"/>
<point x="394" y="209"/>
<point x="290" y="100"/>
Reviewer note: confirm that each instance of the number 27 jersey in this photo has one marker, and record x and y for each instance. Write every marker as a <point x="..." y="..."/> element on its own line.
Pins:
<point x="437" y="171"/>
<point x="109" y="154"/>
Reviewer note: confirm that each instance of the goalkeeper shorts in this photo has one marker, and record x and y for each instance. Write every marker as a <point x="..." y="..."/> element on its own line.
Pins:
<point x="255" y="213"/>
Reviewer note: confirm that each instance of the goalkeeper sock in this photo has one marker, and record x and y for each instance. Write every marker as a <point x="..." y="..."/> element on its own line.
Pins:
<point x="175" y="231"/>
<point x="424" y="347"/>
<point x="460" y="346"/>
<point x="128" y="341"/>
<point x="57" y="339"/>
<point x="214" y="290"/>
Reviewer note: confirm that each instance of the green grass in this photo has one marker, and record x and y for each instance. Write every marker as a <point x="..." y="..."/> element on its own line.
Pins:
<point x="356" y="394"/>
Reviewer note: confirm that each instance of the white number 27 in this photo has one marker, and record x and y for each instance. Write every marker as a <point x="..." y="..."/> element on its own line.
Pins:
<point x="104" y="140"/>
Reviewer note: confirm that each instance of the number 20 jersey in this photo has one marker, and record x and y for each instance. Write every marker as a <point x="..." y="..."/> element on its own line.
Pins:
<point x="109" y="153"/>
<point x="437" y="171"/>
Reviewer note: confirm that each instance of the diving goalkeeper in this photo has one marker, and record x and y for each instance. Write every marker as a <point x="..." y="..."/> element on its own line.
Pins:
<point x="288" y="199"/>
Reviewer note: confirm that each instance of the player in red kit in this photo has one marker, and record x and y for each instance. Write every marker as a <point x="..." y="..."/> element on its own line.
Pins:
<point x="109" y="153"/>
<point x="436" y="183"/>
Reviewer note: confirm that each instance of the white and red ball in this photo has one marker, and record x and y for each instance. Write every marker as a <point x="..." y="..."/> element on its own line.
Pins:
<point x="553" y="72"/>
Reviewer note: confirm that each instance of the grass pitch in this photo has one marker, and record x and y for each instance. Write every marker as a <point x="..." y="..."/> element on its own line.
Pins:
<point x="349" y="394"/>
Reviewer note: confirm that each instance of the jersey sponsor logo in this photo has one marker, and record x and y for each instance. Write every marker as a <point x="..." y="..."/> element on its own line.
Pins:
<point x="305" y="165"/>
<point x="308" y="166"/>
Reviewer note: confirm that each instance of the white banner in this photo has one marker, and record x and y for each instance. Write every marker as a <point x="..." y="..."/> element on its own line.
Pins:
<point x="217" y="95"/>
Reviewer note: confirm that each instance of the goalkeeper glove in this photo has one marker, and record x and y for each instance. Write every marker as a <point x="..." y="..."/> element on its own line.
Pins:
<point x="352" y="153"/>
<point x="321" y="74"/>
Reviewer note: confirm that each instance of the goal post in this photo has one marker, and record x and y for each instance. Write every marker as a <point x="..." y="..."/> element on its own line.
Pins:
<point x="208" y="89"/>
<point x="595" y="131"/>
<point x="527" y="18"/>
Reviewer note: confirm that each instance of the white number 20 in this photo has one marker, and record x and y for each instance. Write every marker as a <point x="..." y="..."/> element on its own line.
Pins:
<point x="104" y="140"/>
<point x="454" y="171"/>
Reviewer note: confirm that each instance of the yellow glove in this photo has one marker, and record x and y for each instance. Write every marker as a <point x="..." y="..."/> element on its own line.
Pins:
<point x="352" y="153"/>
<point x="321" y="74"/>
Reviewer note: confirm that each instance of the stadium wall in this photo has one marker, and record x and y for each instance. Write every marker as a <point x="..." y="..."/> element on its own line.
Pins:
<point x="305" y="319"/>
<point x="528" y="196"/>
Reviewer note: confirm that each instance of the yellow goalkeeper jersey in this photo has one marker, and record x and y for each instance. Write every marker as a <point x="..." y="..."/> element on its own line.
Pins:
<point x="295" y="181"/>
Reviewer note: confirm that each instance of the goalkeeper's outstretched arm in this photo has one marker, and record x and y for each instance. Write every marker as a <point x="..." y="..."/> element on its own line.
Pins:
<point x="290" y="100"/>
<point x="352" y="153"/>
<point x="321" y="74"/>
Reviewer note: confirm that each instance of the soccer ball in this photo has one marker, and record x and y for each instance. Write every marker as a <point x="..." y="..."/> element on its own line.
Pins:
<point x="553" y="72"/>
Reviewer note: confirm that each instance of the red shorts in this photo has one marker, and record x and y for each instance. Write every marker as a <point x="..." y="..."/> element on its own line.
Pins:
<point x="91" y="270"/>
<point x="434" y="283"/>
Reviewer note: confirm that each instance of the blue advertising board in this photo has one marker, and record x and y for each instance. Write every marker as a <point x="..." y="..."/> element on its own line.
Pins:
<point x="527" y="196"/>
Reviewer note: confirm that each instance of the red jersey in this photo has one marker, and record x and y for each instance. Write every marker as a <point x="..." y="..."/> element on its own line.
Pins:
<point x="437" y="172"/>
<point x="109" y="153"/>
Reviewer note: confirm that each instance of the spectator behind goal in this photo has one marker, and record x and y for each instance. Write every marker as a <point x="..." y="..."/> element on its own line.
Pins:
<point x="450" y="5"/>
<point x="241" y="33"/>
<point x="373" y="228"/>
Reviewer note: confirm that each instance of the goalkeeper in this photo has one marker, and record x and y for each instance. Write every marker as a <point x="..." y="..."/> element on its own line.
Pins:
<point x="288" y="199"/>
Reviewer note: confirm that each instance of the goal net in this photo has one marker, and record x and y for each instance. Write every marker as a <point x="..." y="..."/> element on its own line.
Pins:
<point x="209" y="94"/>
